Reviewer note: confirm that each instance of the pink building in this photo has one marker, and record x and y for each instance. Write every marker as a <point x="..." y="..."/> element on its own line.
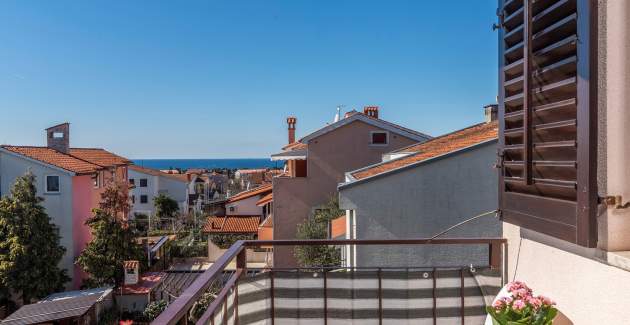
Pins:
<point x="70" y="180"/>
<point x="317" y="163"/>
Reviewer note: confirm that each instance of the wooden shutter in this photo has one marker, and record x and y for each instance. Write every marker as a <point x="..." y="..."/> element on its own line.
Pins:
<point x="547" y="117"/>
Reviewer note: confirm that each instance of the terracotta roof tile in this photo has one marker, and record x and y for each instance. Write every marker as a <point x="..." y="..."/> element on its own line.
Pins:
<point x="232" y="224"/>
<point x="130" y="264"/>
<point x="99" y="156"/>
<point x="295" y="146"/>
<point x="147" y="282"/>
<point x="261" y="190"/>
<point x="265" y="199"/>
<point x="435" y="147"/>
<point x="155" y="172"/>
<point x="55" y="158"/>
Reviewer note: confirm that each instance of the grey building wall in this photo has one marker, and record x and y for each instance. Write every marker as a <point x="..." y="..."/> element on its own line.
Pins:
<point x="58" y="205"/>
<point x="422" y="201"/>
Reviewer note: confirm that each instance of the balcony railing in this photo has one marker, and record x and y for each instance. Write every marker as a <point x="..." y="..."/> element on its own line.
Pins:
<point x="329" y="295"/>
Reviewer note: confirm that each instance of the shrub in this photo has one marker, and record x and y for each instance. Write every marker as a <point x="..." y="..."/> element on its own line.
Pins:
<point x="154" y="309"/>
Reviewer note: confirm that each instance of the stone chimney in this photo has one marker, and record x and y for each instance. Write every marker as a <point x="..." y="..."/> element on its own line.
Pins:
<point x="491" y="112"/>
<point x="58" y="137"/>
<point x="371" y="111"/>
<point x="132" y="272"/>
<point x="291" y="122"/>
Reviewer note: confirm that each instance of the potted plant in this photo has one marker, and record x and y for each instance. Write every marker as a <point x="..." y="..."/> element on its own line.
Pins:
<point x="522" y="307"/>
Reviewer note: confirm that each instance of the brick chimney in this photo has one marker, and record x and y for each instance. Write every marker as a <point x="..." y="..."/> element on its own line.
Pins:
<point x="371" y="111"/>
<point x="58" y="137"/>
<point x="491" y="112"/>
<point x="291" y="122"/>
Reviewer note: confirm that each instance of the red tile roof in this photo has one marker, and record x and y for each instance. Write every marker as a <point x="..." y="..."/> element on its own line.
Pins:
<point x="436" y="147"/>
<point x="261" y="190"/>
<point x="147" y="282"/>
<point x="232" y="224"/>
<point x="155" y="172"/>
<point x="99" y="156"/>
<point x="295" y="146"/>
<point x="55" y="158"/>
<point x="130" y="264"/>
<point x="265" y="199"/>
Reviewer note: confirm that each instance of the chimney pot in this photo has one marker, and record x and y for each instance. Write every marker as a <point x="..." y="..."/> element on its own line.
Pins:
<point x="58" y="137"/>
<point x="491" y="112"/>
<point x="291" y="122"/>
<point x="371" y="111"/>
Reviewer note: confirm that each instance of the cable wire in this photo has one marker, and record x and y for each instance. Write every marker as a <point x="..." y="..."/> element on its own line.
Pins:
<point x="464" y="222"/>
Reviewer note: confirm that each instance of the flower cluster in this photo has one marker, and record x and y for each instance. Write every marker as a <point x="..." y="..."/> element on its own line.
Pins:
<point x="522" y="305"/>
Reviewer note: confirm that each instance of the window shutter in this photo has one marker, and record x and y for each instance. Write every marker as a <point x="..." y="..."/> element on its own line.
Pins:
<point x="547" y="117"/>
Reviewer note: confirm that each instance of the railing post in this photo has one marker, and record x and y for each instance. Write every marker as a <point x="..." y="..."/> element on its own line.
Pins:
<point x="241" y="266"/>
<point x="380" y="297"/>
<point x="494" y="257"/>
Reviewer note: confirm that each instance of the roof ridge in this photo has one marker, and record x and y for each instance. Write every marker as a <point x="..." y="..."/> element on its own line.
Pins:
<point x="439" y="137"/>
<point x="56" y="151"/>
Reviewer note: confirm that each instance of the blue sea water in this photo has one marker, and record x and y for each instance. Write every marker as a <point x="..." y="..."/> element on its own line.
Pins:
<point x="208" y="163"/>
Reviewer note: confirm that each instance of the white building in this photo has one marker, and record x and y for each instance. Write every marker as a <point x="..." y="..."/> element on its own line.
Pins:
<point x="148" y="183"/>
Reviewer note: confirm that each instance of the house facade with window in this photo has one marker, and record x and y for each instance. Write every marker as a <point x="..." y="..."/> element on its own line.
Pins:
<point x="564" y="183"/>
<point x="149" y="183"/>
<point x="317" y="163"/>
<point x="431" y="187"/>
<point x="70" y="180"/>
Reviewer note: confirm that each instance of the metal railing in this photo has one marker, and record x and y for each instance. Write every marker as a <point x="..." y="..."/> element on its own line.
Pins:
<point x="178" y="311"/>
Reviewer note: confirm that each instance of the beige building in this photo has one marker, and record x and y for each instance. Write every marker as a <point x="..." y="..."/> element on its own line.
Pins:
<point x="317" y="163"/>
<point x="564" y="181"/>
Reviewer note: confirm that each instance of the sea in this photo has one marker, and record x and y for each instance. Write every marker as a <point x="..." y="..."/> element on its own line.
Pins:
<point x="241" y="163"/>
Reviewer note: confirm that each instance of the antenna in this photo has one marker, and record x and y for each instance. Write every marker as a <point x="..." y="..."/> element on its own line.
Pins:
<point x="338" y="115"/>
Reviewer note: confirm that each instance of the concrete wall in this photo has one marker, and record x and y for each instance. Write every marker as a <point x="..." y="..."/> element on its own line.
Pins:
<point x="246" y="207"/>
<point x="58" y="206"/>
<point x="422" y="201"/>
<point x="329" y="157"/>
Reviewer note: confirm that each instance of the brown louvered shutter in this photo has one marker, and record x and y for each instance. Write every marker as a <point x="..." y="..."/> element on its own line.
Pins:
<point x="548" y="114"/>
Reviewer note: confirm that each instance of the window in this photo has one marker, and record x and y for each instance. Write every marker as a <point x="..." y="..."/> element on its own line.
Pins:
<point x="131" y="271"/>
<point x="144" y="199"/>
<point x="548" y="118"/>
<point x="96" y="180"/>
<point x="132" y="181"/>
<point x="379" y="137"/>
<point x="133" y="199"/>
<point x="232" y="209"/>
<point x="52" y="184"/>
<point x="143" y="182"/>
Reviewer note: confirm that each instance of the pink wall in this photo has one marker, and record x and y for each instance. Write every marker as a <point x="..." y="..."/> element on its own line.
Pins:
<point x="82" y="204"/>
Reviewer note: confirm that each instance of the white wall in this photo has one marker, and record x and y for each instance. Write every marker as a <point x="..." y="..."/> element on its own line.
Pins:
<point x="58" y="206"/>
<point x="246" y="207"/>
<point x="177" y="190"/>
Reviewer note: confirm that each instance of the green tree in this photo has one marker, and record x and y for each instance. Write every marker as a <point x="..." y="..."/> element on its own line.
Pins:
<point x="165" y="207"/>
<point x="316" y="227"/>
<point x="112" y="241"/>
<point x="29" y="244"/>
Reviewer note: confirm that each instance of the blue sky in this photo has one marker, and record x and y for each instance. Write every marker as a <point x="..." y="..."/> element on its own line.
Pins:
<point x="215" y="79"/>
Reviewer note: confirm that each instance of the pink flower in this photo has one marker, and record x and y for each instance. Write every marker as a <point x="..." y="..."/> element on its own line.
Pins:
<point x="521" y="293"/>
<point x="519" y="305"/>
<point x="516" y="285"/>
<point x="547" y="301"/>
<point x="535" y="302"/>
<point x="507" y="300"/>
<point x="498" y="305"/>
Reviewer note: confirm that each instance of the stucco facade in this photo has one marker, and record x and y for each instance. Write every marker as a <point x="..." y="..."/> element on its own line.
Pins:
<point x="420" y="201"/>
<point x="59" y="206"/>
<point x="176" y="189"/>
<point x="329" y="156"/>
